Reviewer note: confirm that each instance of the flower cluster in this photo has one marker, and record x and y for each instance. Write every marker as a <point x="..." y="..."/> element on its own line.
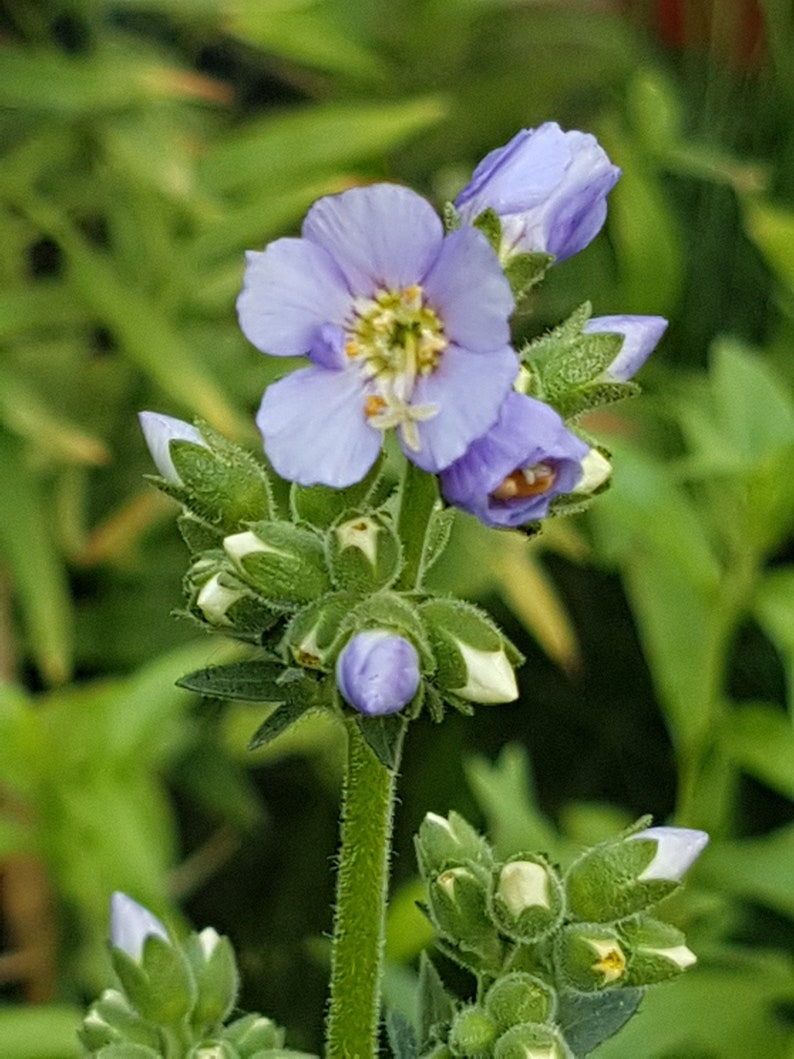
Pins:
<point x="174" y="998"/>
<point x="406" y="327"/>
<point x="547" y="947"/>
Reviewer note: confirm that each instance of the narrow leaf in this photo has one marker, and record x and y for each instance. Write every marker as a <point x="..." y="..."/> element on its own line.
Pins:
<point x="384" y="736"/>
<point x="436" y="1008"/>
<point x="402" y="1038"/>
<point x="279" y="721"/>
<point x="252" y="681"/>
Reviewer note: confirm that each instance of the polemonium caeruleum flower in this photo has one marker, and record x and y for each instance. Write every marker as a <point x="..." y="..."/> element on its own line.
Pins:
<point x="510" y="475"/>
<point x="378" y="672"/>
<point x="677" y="850"/>
<point x="405" y="327"/>
<point x="159" y="431"/>
<point x="131" y="924"/>
<point x="548" y="188"/>
<point x="641" y="335"/>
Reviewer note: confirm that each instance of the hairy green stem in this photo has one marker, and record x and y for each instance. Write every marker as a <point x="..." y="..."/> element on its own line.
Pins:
<point x="359" y="923"/>
<point x="418" y="498"/>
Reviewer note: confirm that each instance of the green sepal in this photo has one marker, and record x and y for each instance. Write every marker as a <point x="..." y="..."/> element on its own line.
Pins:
<point x="364" y="552"/>
<point x="447" y="843"/>
<point x="160" y="986"/>
<point x="320" y="505"/>
<point x="558" y="341"/>
<point x="516" y="883"/>
<point x="439" y="530"/>
<point x="588" y="1019"/>
<point x="111" y="1020"/>
<point x="401" y="1035"/>
<point x="519" y="997"/>
<point x="221" y="483"/>
<point x="647" y="940"/>
<point x="198" y="534"/>
<point x="525" y="271"/>
<point x="384" y="736"/>
<point x="436" y="1008"/>
<point x="473" y="1032"/>
<point x="589" y="957"/>
<point x="389" y="610"/>
<point x="254" y="1033"/>
<point x="283" y="562"/>
<point x="256" y="680"/>
<point x="216" y="976"/>
<point x="532" y="1039"/>
<point x="457" y="901"/>
<point x="313" y="635"/>
<point x="125" y="1050"/>
<point x="604" y="885"/>
<point x="451" y="217"/>
<point x="213" y="1049"/>
<point x="574" y="403"/>
<point x="490" y="225"/>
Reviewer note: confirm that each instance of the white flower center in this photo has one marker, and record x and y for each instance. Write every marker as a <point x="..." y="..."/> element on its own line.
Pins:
<point x="397" y="338"/>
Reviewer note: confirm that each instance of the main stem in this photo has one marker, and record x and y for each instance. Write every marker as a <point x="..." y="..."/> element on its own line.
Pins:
<point x="362" y="882"/>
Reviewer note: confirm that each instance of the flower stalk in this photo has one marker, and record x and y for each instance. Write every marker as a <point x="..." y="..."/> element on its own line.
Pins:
<point x="359" y="921"/>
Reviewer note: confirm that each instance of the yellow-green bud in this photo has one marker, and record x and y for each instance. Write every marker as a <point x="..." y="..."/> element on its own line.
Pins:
<point x="589" y="957"/>
<point x="285" y="563"/>
<point x="472" y="1033"/>
<point x="444" y="842"/>
<point x="519" y="997"/>
<point x="658" y="951"/>
<point x="532" y="1041"/>
<point x="364" y="552"/>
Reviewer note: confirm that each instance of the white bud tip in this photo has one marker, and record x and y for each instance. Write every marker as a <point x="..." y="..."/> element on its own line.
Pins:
<point x="491" y="677"/>
<point x="677" y="849"/>
<point x="524" y="884"/>
<point x="131" y="924"/>
<point x="159" y="431"/>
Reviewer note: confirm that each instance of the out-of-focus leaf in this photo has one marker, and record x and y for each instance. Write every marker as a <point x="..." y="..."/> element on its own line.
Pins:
<point x="45" y="1032"/>
<point x="145" y="333"/>
<point x="774" y="611"/>
<point x="275" y="151"/>
<point x="504" y="790"/>
<point x="306" y="33"/>
<point x="408" y="931"/>
<point x="760" y="740"/>
<point x="24" y="412"/>
<point x="51" y="81"/>
<point x="723" y="1010"/>
<point x="754" y="408"/>
<point x="36" y="568"/>
<point x="644" y="234"/>
<point x="772" y="230"/>
<point x="757" y="869"/>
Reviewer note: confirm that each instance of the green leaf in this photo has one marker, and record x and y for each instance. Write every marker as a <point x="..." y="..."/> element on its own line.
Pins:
<point x="588" y="1019"/>
<point x="772" y="230"/>
<point x="37" y="570"/>
<point x="756" y="869"/>
<point x="760" y="740"/>
<point x="774" y="611"/>
<point x="384" y="736"/>
<point x="754" y="408"/>
<point x="436" y="1007"/>
<point x="279" y="721"/>
<point x="401" y="1034"/>
<point x="252" y="681"/>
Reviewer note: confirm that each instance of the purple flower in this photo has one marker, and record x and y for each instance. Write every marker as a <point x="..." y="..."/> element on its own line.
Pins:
<point x="159" y="431"/>
<point x="548" y="188"/>
<point x="378" y="672"/>
<point x="405" y="327"/>
<point x="510" y="475"/>
<point x="677" y="849"/>
<point x="641" y="335"/>
<point x="131" y="924"/>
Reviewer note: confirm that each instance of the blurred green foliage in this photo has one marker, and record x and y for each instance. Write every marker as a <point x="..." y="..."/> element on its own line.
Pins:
<point x="145" y="145"/>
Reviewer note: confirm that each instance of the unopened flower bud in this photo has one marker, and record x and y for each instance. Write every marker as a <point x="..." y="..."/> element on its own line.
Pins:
<point x="623" y="876"/>
<point x="449" y="842"/>
<point x="458" y="905"/>
<point x="111" y="1020"/>
<point x="472" y="1034"/>
<point x="677" y="849"/>
<point x="519" y="997"/>
<point x="474" y="661"/>
<point x="641" y="335"/>
<point x="285" y="563"/>
<point x="131" y="924"/>
<point x="589" y="957"/>
<point x="528" y="899"/>
<point x="252" y="1034"/>
<point x="213" y="1050"/>
<point x="214" y="600"/>
<point x="153" y="971"/>
<point x="532" y="1041"/>
<point x="596" y="469"/>
<point x="159" y="431"/>
<point x="377" y="672"/>
<point x="364" y="552"/>
<point x="657" y="950"/>
<point x="214" y="968"/>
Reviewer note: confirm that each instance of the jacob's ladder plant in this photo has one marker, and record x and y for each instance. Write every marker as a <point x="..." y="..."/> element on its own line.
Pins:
<point x="413" y="402"/>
